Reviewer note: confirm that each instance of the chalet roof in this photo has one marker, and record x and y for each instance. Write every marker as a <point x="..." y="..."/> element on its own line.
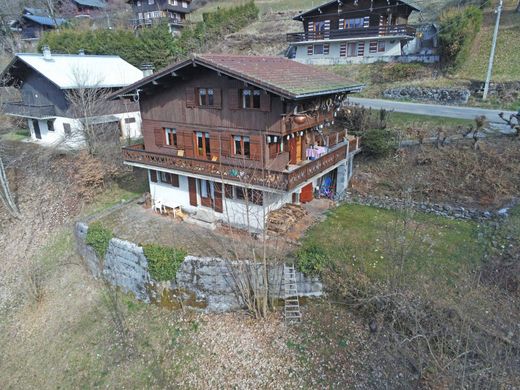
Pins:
<point x="313" y="10"/>
<point x="91" y="3"/>
<point x="45" y="20"/>
<point x="278" y="75"/>
<point x="68" y="71"/>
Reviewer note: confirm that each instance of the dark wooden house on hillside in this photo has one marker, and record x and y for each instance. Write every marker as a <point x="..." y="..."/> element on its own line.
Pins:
<point x="231" y="138"/>
<point x="34" y="22"/>
<point x="149" y="12"/>
<point x="352" y="31"/>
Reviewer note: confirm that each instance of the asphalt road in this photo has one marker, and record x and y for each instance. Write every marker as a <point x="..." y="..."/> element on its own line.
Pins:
<point x="432" y="109"/>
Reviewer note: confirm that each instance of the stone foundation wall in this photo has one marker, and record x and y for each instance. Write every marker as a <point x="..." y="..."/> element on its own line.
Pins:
<point x="438" y="95"/>
<point x="211" y="284"/>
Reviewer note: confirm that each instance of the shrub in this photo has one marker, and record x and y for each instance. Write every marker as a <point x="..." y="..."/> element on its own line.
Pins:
<point x="163" y="262"/>
<point x="458" y="29"/>
<point x="378" y="142"/>
<point x="98" y="237"/>
<point x="392" y="72"/>
<point x="312" y="259"/>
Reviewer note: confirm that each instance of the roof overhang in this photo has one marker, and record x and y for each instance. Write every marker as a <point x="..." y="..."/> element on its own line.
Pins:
<point x="170" y="71"/>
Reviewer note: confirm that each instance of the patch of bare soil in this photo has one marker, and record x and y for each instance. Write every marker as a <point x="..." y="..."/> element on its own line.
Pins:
<point x="486" y="176"/>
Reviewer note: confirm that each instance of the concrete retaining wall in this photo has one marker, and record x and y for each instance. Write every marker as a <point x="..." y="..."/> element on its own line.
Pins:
<point x="202" y="282"/>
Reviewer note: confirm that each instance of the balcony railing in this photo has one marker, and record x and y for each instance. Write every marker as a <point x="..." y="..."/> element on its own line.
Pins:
<point x="30" y="111"/>
<point x="291" y="123"/>
<point x="403" y="30"/>
<point x="280" y="180"/>
<point x="154" y="21"/>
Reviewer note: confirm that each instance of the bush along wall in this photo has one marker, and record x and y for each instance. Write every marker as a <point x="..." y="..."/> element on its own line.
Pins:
<point x="98" y="237"/>
<point x="163" y="262"/>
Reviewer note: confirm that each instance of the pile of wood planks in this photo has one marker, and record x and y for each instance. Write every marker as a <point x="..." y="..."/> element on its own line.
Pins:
<point x="281" y="220"/>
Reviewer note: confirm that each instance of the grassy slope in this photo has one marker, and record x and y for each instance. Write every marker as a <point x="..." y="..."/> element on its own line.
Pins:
<point x="364" y="235"/>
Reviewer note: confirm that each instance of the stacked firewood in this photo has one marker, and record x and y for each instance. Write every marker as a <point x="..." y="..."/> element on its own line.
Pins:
<point x="281" y="220"/>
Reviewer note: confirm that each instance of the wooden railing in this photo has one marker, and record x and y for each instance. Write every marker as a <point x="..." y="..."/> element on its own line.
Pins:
<point x="30" y="111"/>
<point x="280" y="180"/>
<point x="378" y="31"/>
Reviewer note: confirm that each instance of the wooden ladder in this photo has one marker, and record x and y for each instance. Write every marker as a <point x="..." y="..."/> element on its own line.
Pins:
<point x="292" y="303"/>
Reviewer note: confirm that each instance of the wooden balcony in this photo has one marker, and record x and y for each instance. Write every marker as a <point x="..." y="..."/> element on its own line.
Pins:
<point x="29" y="111"/>
<point x="403" y="30"/>
<point x="290" y="123"/>
<point x="283" y="180"/>
<point x="139" y="23"/>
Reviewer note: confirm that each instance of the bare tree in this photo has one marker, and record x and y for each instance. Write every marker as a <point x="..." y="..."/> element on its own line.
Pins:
<point x="6" y="194"/>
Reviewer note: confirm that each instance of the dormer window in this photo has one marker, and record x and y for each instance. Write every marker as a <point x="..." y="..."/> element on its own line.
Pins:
<point x="251" y="98"/>
<point x="206" y="97"/>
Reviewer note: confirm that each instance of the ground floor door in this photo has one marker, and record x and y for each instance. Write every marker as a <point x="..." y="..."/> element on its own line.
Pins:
<point x="307" y="193"/>
<point x="205" y="193"/>
<point x="36" y="127"/>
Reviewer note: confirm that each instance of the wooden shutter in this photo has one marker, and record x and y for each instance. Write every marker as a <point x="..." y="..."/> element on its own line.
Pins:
<point x="190" y="98"/>
<point x="153" y="176"/>
<point x="255" y="146"/>
<point x="218" y="197"/>
<point x="234" y="99"/>
<point x="214" y="145"/>
<point x="372" y="48"/>
<point x="192" y="189"/>
<point x="361" y="49"/>
<point x="265" y="101"/>
<point x="343" y="49"/>
<point x="326" y="49"/>
<point x="174" y="180"/>
<point x="225" y="145"/>
<point x="217" y="98"/>
<point x="310" y="50"/>
<point x="228" y="189"/>
<point x="159" y="137"/>
<point x="341" y="24"/>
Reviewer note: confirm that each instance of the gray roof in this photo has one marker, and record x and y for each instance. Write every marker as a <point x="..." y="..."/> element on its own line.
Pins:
<point x="45" y="20"/>
<point x="91" y="3"/>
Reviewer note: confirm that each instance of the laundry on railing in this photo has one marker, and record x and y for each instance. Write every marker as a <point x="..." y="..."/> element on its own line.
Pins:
<point x="315" y="152"/>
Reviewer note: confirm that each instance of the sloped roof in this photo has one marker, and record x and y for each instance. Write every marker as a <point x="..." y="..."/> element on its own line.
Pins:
<point x="91" y="3"/>
<point x="79" y="71"/>
<point x="278" y="75"/>
<point x="312" y="10"/>
<point x="45" y="20"/>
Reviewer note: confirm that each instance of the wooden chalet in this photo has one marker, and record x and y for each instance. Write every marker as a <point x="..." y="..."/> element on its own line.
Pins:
<point x="352" y="31"/>
<point x="34" y="22"/>
<point x="231" y="138"/>
<point x="150" y="12"/>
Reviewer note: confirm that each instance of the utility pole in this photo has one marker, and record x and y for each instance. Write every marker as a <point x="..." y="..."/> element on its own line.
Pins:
<point x="493" y="48"/>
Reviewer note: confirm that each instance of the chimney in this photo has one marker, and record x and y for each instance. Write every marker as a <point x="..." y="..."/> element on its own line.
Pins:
<point x="147" y="69"/>
<point x="47" y="53"/>
<point x="81" y="52"/>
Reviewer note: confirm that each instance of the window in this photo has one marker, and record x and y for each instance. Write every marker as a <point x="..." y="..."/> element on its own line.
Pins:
<point x="253" y="196"/>
<point x="66" y="128"/>
<point x="50" y="125"/>
<point x="372" y="48"/>
<point x="251" y="98"/>
<point x="203" y="144"/>
<point x="381" y="47"/>
<point x="150" y="2"/>
<point x="206" y="97"/>
<point x="351" y="23"/>
<point x="130" y="120"/>
<point x="138" y="3"/>
<point x="318" y="49"/>
<point x="170" y="136"/>
<point x="184" y="4"/>
<point x="241" y="193"/>
<point x="169" y="178"/>
<point x="241" y="146"/>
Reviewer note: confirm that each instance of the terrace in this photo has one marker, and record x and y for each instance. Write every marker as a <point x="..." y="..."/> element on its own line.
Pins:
<point x="397" y="31"/>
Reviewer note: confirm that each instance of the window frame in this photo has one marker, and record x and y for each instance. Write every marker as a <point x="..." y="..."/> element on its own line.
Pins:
<point x="204" y="150"/>
<point x="244" y="143"/>
<point x="379" y="46"/>
<point x="170" y="136"/>
<point x="251" y="98"/>
<point x="151" y="2"/>
<point x="50" y="125"/>
<point x="67" y="129"/>
<point x="315" y="52"/>
<point x="206" y="97"/>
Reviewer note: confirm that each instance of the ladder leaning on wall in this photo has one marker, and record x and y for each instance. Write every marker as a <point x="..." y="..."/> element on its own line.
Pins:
<point x="292" y="302"/>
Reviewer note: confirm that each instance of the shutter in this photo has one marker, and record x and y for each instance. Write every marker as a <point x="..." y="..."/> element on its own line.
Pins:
<point x="192" y="189"/>
<point x="214" y="145"/>
<point x="255" y="147"/>
<point x="225" y="144"/>
<point x="234" y="101"/>
<point x="228" y="189"/>
<point x="218" y="197"/>
<point x="187" y="143"/>
<point x="343" y="49"/>
<point x="341" y="24"/>
<point x="361" y="49"/>
<point x="326" y="49"/>
<point x="310" y="50"/>
<point x="174" y="180"/>
<point x="217" y="98"/>
<point x="159" y="137"/>
<point x="373" y="47"/>
<point x="153" y="176"/>
<point x="190" y="97"/>
<point x="265" y="101"/>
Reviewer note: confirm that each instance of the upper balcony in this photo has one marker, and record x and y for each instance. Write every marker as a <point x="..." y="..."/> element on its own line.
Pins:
<point x="401" y="31"/>
<point x="29" y="111"/>
<point x="148" y="22"/>
<point x="285" y="179"/>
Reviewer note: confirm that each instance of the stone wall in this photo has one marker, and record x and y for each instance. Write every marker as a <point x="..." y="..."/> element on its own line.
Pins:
<point x="438" y="95"/>
<point x="211" y="284"/>
<point x="444" y="210"/>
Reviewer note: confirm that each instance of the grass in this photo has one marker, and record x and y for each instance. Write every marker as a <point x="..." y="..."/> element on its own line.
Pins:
<point x="16" y="135"/>
<point x="402" y="120"/>
<point x="366" y="237"/>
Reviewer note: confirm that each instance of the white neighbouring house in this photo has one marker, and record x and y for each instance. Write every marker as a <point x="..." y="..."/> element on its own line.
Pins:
<point x="357" y="32"/>
<point x="47" y="83"/>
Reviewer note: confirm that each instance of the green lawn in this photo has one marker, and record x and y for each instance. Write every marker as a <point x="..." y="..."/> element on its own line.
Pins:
<point x="16" y="135"/>
<point x="401" y="119"/>
<point x="369" y="238"/>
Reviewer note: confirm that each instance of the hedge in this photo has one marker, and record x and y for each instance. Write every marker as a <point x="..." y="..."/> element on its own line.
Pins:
<point x="163" y="262"/>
